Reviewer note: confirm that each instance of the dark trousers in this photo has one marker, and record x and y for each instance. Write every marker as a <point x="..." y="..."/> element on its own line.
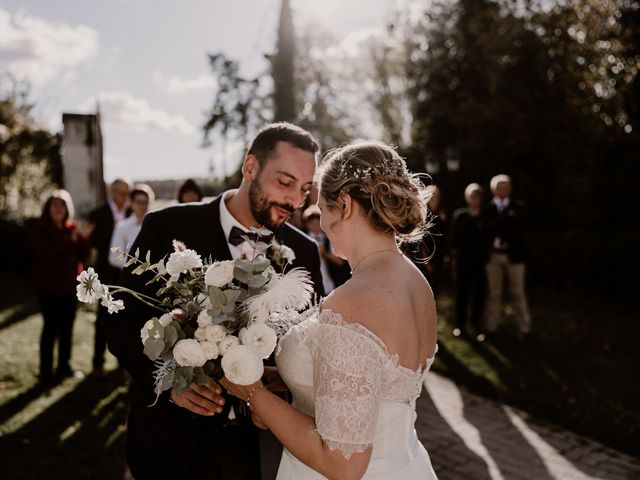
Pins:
<point x="58" y="312"/>
<point x="471" y="288"/>
<point x="100" y="338"/>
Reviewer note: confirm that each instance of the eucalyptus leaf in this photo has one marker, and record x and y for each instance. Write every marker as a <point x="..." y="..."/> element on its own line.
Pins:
<point x="260" y="264"/>
<point x="148" y="257"/>
<point x="153" y="348"/>
<point x="186" y="373"/>
<point x="200" y="377"/>
<point x="244" y="265"/>
<point x="180" y="384"/>
<point x="216" y="297"/>
<point x="140" y="269"/>
<point x="170" y="335"/>
<point x="257" y="281"/>
<point x="167" y="381"/>
<point x="130" y="262"/>
<point x="262" y="247"/>
<point x="241" y="275"/>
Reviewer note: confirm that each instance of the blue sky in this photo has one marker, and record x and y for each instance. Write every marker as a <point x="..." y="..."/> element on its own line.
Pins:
<point x="146" y="62"/>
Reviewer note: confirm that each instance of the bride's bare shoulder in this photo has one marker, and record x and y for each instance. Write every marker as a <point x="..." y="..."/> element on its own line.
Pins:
<point x="358" y="302"/>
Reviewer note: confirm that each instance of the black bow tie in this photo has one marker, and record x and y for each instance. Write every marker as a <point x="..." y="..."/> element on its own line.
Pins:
<point x="236" y="236"/>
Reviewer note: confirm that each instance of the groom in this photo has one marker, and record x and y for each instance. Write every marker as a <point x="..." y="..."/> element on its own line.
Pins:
<point x="191" y="435"/>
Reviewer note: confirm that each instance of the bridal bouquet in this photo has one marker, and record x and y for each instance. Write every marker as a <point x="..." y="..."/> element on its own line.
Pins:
<point x="215" y="317"/>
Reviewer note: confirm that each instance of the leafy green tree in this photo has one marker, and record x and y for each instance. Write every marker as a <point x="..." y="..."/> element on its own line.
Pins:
<point x="30" y="162"/>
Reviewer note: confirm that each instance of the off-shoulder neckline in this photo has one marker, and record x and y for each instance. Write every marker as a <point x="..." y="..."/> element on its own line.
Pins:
<point x="338" y="319"/>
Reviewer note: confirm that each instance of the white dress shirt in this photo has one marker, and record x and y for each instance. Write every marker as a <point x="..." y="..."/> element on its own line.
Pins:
<point x="501" y="205"/>
<point x="228" y="221"/>
<point x="124" y="235"/>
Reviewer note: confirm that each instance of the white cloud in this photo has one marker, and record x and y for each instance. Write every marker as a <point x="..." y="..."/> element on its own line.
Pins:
<point x="175" y="84"/>
<point x="38" y="50"/>
<point x="124" y="108"/>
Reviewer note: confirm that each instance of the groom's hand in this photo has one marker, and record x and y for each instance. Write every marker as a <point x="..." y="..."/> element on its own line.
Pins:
<point x="200" y="399"/>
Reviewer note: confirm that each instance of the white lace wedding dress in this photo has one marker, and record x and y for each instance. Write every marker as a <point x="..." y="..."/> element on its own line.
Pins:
<point x="343" y="375"/>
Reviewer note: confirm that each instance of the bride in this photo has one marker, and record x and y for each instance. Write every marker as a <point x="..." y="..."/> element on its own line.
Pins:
<point x="356" y="366"/>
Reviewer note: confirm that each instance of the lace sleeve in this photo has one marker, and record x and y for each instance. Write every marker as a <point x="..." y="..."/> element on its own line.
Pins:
<point x="347" y="368"/>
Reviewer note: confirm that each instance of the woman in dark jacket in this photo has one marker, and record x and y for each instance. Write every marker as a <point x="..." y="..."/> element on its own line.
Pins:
<point x="58" y="252"/>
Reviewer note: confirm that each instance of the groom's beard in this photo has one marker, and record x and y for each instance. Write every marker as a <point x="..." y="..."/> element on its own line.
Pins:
<point x="261" y="207"/>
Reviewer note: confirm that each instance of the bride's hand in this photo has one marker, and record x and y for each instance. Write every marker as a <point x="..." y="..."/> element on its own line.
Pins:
<point x="240" y="391"/>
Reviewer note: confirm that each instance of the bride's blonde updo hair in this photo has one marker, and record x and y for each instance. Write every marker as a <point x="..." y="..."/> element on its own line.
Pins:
<point x="374" y="175"/>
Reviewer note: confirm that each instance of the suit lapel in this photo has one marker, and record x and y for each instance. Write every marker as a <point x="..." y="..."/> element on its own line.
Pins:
<point x="219" y="247"/>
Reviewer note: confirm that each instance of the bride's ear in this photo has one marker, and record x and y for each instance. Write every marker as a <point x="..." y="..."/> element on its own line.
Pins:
<point x="347" y="205"/>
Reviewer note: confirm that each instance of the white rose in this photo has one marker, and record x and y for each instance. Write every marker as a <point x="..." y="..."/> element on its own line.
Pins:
<point x="204" y="319"/>
<point x="211" y="350"/>
<point x="189" y="353"/>
<point x="180" y="262"/>
<point x="260" y="337"/>
<point x="242" y="365"/>
<point x="200" y="334"/>
<point x="220" y="274"/>
<point x="215" y="333"/>
<point x="228" y="342"/>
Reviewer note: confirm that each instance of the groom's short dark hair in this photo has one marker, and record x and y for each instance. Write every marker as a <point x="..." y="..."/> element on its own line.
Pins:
<point x="268" y="136"/>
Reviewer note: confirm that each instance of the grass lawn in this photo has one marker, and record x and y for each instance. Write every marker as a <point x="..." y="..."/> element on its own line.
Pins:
<point x="74" y="430"/>
<point x="578" y="370"/>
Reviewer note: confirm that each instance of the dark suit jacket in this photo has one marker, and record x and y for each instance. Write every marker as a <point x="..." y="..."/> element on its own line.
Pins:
<point x="166" y="426"/>
<point x="102" y="217"/>
<point x="509" y="226"/>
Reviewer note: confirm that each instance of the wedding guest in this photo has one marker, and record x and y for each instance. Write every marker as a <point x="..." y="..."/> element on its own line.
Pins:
<point x="189" y="192"/>
<point x="504" y="220"/>
<point x="104" y="219"/>
<point x="59" y="248"/>
<point x="127" y="230"/>
<point x="210" y="444"/>
<point x="468" y="252"/>
<point x="335" y="270"/>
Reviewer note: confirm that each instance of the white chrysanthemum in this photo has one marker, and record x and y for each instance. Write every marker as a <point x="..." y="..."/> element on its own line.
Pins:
<point x="290" y="291"/>
<point x="242" y="365"/>
<point x="228" y="342"/>
<point x="181" y="261"/>
<point x="262" y="338"/>
<point x="189" y="353"/>
<point x="204" y="319"/>
<point x="89" y="288"/>
<point x="220" y="273"/>
<point x="211" y="350"/>
<point x="113" y="306"/>
<point x="215" y="333"/>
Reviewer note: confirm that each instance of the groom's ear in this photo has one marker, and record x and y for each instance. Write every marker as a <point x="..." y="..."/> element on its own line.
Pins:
<point x="250" y="167"/>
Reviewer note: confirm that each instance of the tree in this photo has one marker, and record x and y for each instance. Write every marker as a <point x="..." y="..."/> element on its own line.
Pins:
<point x="240" y="107"/>
<point x="30" y="162"/>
